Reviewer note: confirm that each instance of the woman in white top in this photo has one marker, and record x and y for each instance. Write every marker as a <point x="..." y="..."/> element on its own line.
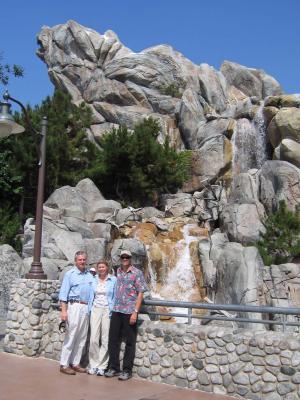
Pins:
<point x="104" y="293"/>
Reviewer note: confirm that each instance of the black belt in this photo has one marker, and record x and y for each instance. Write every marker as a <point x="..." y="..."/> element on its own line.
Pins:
<point x="77" y="301"/>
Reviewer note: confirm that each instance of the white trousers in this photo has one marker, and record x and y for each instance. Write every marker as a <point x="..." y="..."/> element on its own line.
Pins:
<point x="76" y="334"/>
<point x="98" y="353"/>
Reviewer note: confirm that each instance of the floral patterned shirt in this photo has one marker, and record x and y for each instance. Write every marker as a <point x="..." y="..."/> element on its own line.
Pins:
<point x="129" y="285"/>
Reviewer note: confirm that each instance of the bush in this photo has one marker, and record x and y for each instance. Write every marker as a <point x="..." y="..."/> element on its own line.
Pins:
<point x="10" y="225"/>
<point x="134" y="168"/>
<point x="281" y="241"/>
<point x="173" y="89"/>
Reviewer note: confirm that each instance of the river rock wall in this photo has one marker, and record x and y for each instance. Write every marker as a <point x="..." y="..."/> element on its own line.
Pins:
<point x="248" y="364"/>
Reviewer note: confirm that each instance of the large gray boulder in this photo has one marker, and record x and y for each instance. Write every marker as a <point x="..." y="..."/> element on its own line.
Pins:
<point x="288" y="150"/>
<point x="245" y="188"/>
<point x="213" y="87"/>
<point x="239" y="277"/>
<point x="96" y="249"/>
<point x="242" y="217"/>
<point x="284" y="125"/>
<point x="69" y="201"/>
<point x="135" y="246"/>
<point x="243" y="222"/>
<point x="11" y="268"/>
<point x="69" y="243"/>
<point x="49" y="230"/>
<point x="209" y="163"/>
<point x="279" y="180"/>
<point x="281" y="289"/>
<point x="51" y="266"/>
<point x="77" y="225"/>
<point x="103" y="211"/>
<point x="89" y="191"/>
<point x="176" y="205"/>
<point x="190" y="114"/>
<point x="250" y="81"/>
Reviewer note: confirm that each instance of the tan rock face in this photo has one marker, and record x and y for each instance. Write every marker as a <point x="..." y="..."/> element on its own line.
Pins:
<point x="164" y="251"/>
<point x="145" y="232"/>
<point x="288" y="150"/>
<point x="212" y="160"/>
<point x="269" y="113"/>
<point x="286" y="100"/>
<point x="285" y="125"/>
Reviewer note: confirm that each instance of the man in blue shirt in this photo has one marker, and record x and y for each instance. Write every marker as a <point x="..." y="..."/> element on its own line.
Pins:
<point x="76" y="294"/>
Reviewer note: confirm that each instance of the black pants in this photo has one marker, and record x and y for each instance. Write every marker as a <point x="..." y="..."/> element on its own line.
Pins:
<point x="120" y="327"/>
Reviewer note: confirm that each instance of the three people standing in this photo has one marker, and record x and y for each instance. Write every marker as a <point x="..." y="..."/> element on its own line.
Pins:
<point x="115" y="304"/>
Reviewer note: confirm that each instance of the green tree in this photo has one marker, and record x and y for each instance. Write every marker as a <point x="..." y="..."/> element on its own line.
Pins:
<point x="134" y="168"/>
<point x="281" y="241"/>
<point x="6" y="70"/>
<point x="69" y="155"/>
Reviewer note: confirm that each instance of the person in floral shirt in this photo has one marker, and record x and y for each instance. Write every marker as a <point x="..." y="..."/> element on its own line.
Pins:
<point x="128" y="299"/>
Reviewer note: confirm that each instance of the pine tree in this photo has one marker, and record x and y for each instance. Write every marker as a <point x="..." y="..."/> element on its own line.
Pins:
<point x="135" y="168"/>
<point x="281" y="241"/>
<point x="7" y="70"/>
<point x="69" y="155"/>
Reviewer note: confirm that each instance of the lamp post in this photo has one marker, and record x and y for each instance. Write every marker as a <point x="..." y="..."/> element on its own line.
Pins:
<point x="9" y="127"/>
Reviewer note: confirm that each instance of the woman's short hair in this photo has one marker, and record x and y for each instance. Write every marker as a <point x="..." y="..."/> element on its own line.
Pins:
<point x="103" y="262"/>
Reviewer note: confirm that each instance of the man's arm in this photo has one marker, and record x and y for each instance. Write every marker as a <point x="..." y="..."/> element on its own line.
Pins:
<point x="63" y="297"/>
<point x="138" y="303"/>
<point x="64" y="311"/>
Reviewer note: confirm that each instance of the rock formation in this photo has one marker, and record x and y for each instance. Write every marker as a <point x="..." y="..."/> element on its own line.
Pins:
<point x="213" y="113"/>
<point x="244" y="136"/>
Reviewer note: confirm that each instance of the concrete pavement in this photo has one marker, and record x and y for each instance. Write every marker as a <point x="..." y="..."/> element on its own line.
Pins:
<point x="23" y="378"/>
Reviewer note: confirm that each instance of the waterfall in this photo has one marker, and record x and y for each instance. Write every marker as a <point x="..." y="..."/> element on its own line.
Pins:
<point x="181" y="279"/>
<point x="244" y="143"/>
<point x="152" y="273"/>
<point x="261" y="142"/>
<point x="249" y="143"/>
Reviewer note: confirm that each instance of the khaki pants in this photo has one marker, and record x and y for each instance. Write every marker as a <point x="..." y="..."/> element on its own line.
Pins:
<point x="76" y="334"/>
<point x="98" y="354"/>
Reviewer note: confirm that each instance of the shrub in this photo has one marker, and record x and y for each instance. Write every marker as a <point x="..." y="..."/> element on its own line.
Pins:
<point x="173" y="89"/>
<point x="134" y="168"/>
<point x="281" y="241"/>
<point x="10" y="225"/>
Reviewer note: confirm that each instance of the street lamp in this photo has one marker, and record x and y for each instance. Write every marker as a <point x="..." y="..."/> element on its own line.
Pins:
<point x="9" y="127"/>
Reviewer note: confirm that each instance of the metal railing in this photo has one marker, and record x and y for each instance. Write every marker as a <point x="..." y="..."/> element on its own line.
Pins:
<point x="150" y="305"/>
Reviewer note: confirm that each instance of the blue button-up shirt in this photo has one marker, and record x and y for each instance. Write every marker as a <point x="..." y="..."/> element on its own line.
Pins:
<point x="77" y="285"/>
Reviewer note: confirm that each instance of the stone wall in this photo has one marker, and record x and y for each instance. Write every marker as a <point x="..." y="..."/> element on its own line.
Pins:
<point x="32" y="325"/>
<point x="254" y="365"/>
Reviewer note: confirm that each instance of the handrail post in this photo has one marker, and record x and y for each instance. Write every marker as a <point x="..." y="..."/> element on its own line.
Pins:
<point x="190" y="312"/>
<point x="284" y="322"/>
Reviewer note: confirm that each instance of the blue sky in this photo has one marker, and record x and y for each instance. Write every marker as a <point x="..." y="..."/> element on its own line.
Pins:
<point x="262" y="34"/>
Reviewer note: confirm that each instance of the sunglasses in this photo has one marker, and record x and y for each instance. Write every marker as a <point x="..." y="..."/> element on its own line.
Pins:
<point x="125" y="258"/>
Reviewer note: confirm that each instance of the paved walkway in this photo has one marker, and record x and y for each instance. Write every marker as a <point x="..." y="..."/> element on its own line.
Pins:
<point x="23" y="378"/>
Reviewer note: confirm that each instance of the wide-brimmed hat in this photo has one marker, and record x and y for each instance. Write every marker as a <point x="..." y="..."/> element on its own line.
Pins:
<point x="125" y="253"/>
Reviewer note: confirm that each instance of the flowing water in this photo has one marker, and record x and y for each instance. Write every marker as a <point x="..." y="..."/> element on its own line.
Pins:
<point x="180" y="283"/>
<point x="249" y="143"/>
<point x="261" y="142"/>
